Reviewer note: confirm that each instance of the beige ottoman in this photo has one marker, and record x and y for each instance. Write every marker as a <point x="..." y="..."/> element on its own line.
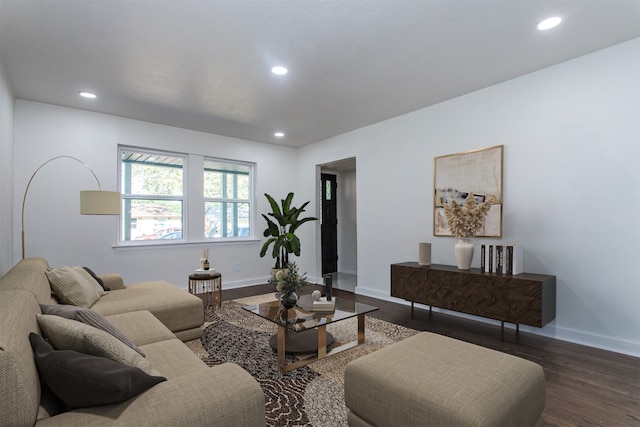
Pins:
<point x="429" y="379"/>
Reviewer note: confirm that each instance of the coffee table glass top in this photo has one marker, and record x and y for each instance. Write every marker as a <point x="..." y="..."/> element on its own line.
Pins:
<point x="300" y="319"/>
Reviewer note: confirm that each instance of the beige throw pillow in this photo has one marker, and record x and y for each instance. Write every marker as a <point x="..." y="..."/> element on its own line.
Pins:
<point x="67" y="334"/>
<point x="89" y="278"/>
<point x="71" y="287"/>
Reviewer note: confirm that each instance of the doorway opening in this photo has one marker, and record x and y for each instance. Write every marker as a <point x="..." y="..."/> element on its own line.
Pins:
<point x="338" y="226"/>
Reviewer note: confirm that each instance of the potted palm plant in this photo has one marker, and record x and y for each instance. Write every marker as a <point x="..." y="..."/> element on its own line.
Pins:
<point x="281" y="230"/>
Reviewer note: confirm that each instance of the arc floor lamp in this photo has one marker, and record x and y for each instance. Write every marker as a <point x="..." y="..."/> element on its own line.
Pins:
<point x="92" y="202"/>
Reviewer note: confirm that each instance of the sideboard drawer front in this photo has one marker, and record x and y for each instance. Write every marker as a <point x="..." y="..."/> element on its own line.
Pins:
<point x="409" y="283"/>
<point x="505" y="299"/>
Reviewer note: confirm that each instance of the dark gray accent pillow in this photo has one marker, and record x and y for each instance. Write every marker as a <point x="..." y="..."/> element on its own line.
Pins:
<point x="82" y="380"/>
<point x="97" y="279"/>
<point x="88" y="317"/>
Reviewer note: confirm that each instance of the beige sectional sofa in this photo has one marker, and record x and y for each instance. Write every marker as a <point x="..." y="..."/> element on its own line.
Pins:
<point x="178" y="310"/>
<point x="150" y="315"/>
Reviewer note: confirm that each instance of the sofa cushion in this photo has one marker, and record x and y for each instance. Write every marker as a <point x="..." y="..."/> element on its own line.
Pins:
<point x="141" y="327"/>
<point x="176" y="308"/>
<point x="82" y="380"/>
<point x="19" y="383"/>
<point x="66" y="334"/>
<point x="173" y="358"/>
<point x="71" y="287"/>
<point x="88" y="317"/>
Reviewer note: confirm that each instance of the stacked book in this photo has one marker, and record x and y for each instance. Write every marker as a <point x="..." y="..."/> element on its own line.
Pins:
<point x="323" y="305"/>
<point x="505" y="259"/>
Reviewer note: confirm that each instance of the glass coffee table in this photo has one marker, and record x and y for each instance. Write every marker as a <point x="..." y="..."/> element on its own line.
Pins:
<point x="302" y="330"/>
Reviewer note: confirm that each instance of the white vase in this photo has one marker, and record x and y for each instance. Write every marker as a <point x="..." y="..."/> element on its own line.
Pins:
<point x="464" y="253"/>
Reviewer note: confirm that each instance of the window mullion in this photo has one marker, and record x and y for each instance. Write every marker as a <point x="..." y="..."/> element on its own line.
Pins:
<point x="127" y="202"/>
<point x="224" y="204"/>
<point x="235" y="205"/>
<point x="194" y="190"/>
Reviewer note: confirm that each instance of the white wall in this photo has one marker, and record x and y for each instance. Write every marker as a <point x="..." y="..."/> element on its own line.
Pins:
<point x="571" y="176"/>
<point x="55" y="229"/>
<point x="572" y="161"/>
<point x="6" y="173"/>
<point x="347" y="223"/>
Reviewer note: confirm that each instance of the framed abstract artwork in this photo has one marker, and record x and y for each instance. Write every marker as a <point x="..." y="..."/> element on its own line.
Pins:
<point x="456" y="175"/>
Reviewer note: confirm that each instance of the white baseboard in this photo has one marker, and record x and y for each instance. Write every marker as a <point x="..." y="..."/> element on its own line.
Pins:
<point x="550" y="330"/>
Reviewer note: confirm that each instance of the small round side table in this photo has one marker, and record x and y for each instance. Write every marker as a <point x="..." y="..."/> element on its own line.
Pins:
<point x="206" y="287"/>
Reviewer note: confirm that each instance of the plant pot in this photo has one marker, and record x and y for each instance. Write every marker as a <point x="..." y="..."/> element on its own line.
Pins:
<point x="289" y="300"/>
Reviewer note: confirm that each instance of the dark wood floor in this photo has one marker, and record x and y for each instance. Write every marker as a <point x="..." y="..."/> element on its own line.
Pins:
<point x="585" y="386"/>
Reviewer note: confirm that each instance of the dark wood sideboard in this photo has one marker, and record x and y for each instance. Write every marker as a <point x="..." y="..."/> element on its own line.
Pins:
<point x="528" y="299"/>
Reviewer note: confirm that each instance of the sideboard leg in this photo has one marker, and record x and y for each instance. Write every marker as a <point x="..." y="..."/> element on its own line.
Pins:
<point x="412" y="309"/>
<point x="518" y="329"/>
<point x="502" y="331"/>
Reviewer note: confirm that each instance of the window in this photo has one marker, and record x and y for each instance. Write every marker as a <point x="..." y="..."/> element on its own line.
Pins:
<point x="227" y="195"/>
<point x="157" y="196"/>
<point x="152" y="187"/>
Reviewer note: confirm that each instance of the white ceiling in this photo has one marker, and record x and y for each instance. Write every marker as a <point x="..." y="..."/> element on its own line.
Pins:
<point x="205" y="64"/>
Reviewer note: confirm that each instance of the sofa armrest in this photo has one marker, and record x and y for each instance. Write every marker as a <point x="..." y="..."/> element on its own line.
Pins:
<point x="112" y="281"/>
<point x="224" y="395"/>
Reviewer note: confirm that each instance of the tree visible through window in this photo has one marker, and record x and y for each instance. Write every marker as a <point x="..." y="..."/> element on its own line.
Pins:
<point x="152" y="187"/>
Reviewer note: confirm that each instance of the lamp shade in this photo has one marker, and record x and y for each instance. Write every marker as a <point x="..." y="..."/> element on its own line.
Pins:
<point x="99" y="203"/>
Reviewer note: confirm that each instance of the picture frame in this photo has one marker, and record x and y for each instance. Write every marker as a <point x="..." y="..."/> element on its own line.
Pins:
<point x="456" y="175"/>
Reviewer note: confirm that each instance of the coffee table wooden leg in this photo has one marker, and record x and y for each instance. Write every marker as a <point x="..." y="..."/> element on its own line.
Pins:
<point x="322" y="341"/>
<point x="360" y="329"/>
<point x="322" y="346"/>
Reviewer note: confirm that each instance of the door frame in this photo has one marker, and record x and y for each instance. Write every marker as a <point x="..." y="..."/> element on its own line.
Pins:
<point x="342" y="167"/>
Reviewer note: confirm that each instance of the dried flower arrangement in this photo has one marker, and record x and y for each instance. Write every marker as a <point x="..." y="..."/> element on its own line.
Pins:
<point x="465" y="220"/>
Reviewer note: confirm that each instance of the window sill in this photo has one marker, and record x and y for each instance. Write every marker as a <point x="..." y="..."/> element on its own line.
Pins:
<point x="154" y="245"/>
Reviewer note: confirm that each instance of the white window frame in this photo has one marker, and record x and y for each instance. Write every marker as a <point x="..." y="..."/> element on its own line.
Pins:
<point x="193" y="200"/>
<point x="242" y="169"/>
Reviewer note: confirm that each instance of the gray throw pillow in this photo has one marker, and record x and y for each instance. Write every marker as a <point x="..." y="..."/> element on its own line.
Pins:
<point x="88" y="317"/>
<point x="97" y="279"/>
<point x="82" y="380"/>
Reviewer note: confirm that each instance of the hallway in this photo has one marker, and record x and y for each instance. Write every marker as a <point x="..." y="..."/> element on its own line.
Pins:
<point x="344" y="281"/>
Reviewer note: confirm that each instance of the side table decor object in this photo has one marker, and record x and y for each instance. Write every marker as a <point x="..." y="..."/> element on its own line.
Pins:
<point x="204" y="260"/>
<point x="464" y="221"/>
<point x="424" y="254"/>
<point x="288" y="282"/>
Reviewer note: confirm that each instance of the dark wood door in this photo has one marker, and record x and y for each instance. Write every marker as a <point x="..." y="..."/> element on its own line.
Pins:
<point x="329" y="225"/>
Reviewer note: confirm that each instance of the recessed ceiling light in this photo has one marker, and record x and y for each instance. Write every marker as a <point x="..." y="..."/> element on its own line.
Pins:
<point x="279" y="70"/>
<point x="89" y="95"/>
<point x="279" y="134"/>
<point x="549" y="23"/>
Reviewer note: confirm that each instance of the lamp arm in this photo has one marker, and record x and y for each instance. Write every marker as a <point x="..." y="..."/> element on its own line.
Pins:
<point x="24" y="198"/>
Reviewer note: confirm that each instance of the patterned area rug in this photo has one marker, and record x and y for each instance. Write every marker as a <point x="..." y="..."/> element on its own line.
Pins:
<point x="312" y="395"/>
